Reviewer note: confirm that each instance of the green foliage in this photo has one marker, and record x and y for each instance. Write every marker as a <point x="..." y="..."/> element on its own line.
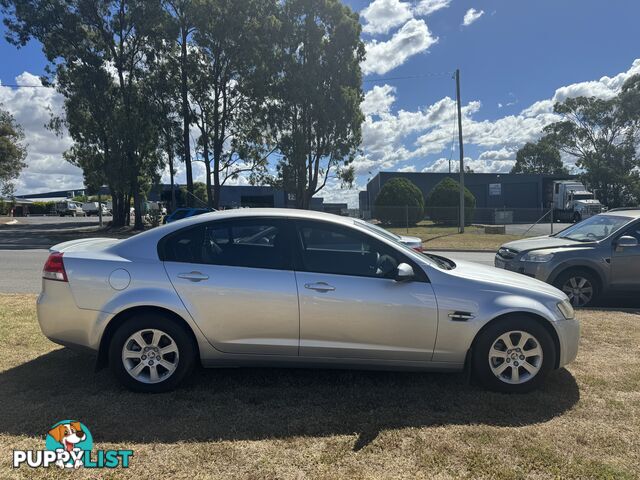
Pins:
<point x="400" y="202"/>
<point x="541" y="157"/>
<point x="602" y="135"/>
<point x="443" y="203"/>
<point x="316" y="94"/>
<point x="5" y="207"/>
<point x="100" y="54"/>
<point x="42" y="208"/>
<point x="12" y="151"/>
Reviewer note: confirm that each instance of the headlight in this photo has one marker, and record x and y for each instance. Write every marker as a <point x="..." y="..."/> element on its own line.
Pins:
<point x="566" y="309"/>
<point x="537" y="257"/>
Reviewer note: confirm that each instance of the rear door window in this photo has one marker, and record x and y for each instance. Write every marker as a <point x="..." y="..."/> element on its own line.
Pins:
<point x="252" y="243"/>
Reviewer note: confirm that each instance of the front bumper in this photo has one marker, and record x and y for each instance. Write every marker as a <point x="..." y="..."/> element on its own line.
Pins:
<point x="569" y="335"/>
<point x="539" y="271"/>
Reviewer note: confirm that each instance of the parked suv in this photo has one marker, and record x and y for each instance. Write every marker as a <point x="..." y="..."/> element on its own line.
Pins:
<point x="596" y="256"/>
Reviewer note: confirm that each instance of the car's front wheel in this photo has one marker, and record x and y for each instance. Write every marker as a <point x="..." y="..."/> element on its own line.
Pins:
<point x="581" y="286"/>
<point x="151" y="353"/>
<point x="513" y="355"/>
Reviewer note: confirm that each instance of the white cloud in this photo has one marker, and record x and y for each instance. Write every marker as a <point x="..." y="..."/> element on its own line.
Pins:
<point x="391" y="138"/>
<point x="383" y="15"/>
<point x="408" y="169"/>
<point x="31" y="105"/>
<point x="378" y="100"/>
<point x="427" y="7"/>
<point x="471" y="16"/>
<point x="414" y="37"/>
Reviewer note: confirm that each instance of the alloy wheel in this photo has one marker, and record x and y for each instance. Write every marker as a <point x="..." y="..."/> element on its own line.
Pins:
<point x="579" y="290"/>
<point x="515" y="357"/>
<point x="150" y="355"/>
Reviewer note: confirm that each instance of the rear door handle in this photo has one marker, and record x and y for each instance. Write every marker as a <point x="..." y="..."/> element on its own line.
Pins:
<point x="320" y="287"/>
<point x="194" y="276"/>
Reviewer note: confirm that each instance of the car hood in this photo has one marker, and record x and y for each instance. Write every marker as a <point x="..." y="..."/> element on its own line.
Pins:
<point x="504" y="280"/>
<point x="546" y="242"/>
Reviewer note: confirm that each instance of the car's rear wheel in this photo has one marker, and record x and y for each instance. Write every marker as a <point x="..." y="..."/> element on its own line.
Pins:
<point x="513" y="355"/>
<point x="580" y="286"/>
<point x="151" y="353"/>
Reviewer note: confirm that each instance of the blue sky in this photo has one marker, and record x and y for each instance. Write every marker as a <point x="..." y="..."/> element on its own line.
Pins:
<point x="516" y="58"/>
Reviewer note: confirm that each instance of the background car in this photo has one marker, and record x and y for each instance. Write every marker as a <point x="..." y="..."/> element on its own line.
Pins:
<point x="180" y="213"/>
<point x="289" y="287"/>
<point x="412" y="242"/>
<point x="596" y="256"/>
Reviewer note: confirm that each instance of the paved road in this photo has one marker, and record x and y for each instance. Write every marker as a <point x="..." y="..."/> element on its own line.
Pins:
<point x="42" y="232"/>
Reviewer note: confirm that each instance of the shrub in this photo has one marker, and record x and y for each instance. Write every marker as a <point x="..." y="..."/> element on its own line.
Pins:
<point x="399" y="202"/>
<point x="41" y="208"/>
<point x="443" y="203"/>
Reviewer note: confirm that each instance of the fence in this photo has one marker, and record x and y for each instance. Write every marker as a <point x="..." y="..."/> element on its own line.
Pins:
<point x="510" y="221"/>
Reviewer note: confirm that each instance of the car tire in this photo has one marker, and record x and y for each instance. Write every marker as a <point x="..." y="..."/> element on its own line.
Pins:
<point x="571" y="282"/>
<point x="505" y="370"/>
<point x="172" y="335"/>
<point x="577" y="218"/>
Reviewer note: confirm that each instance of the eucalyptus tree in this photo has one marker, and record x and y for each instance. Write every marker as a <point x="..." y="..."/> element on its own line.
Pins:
<point x="317" y="91"/>
<point x="598" y="133"/>
<point x="181" y="28"/>
<point x="12" y="151"/>
<point x="233" y="55"/>
<point x="98" y="53"/>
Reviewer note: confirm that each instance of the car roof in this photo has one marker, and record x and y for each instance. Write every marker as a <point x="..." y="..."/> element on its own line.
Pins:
<point x="138" y="245"/>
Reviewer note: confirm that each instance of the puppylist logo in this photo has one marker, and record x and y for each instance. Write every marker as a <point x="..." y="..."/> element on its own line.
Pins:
<point x="69" y="444"/>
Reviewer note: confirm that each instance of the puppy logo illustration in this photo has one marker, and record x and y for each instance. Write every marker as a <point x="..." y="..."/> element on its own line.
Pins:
<point x="69" y="436"/>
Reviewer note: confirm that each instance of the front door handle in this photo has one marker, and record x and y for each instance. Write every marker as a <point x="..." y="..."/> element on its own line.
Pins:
<point x="194" y="276"/>
<point x="320" y="287"/>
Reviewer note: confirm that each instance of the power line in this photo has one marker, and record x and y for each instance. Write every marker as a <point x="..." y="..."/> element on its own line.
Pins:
<point x="13" y="85"/>
<point x="408" y="77"/>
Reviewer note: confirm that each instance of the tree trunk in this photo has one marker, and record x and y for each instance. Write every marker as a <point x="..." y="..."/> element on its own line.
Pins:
<point x="207" y="167"/>
<point x="185" y="113"/>
<point x="171" y="172"/>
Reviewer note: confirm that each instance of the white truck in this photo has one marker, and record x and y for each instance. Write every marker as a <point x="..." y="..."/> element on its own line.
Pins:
<point x="92" y="208"/>
<point x="69" y="208"/>
<point x="572" y="202"/>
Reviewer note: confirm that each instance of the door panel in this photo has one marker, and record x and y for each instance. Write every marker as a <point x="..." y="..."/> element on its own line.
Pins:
<point x="241" y="310"/>
<point x="350" y="304"/>
<point x="625" y="264"/>
<point x="360" y="317"/>
<point x="236" y="279"/>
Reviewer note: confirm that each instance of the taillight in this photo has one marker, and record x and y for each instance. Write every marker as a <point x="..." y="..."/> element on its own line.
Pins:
<point x="54" y="268"/>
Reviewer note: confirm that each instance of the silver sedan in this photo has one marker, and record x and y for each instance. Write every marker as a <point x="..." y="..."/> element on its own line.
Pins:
<point x="288" y="287"/>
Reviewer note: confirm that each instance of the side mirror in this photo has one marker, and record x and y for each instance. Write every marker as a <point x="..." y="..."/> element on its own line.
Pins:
<point x="404" y="273"/>
<point x="627" y="242"/>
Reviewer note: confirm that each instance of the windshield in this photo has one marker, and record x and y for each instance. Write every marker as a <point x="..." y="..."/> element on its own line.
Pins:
<point x="583" y="196"/>
<point x="594" y="229"/>
<point x="433" y="260"/>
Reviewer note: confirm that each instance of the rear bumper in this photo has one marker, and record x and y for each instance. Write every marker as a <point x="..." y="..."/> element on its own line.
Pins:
<point x="569" y="336"/>
<point x="63" y="322"/>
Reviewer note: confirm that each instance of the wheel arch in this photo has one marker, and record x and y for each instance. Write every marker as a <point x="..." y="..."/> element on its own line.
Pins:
<point x="122" y="317"/>
<point x="546" y="324"/>
<point x="562" y="269"/>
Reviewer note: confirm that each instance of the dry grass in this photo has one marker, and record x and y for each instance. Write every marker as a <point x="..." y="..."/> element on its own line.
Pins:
<point x="438" y="237"/>
<point x="271" y="423"/>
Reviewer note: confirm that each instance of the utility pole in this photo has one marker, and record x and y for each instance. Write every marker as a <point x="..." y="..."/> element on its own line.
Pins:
<point x="461" y="228"/>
